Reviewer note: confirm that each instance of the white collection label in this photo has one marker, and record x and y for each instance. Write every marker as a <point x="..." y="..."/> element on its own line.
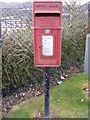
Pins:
<point x="47" y="45"/>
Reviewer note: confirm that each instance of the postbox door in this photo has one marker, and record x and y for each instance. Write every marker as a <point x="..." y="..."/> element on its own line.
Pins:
<point x="48" y="46"/>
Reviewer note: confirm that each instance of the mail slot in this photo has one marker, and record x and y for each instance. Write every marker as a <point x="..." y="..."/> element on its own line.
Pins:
<point x="47" y="32"/>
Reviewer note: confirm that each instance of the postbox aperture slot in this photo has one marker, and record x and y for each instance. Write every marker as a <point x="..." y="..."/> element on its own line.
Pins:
<point x="47" y="14"/>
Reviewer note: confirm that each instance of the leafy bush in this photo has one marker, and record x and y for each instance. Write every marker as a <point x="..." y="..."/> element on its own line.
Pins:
<point x="18" y="68"/>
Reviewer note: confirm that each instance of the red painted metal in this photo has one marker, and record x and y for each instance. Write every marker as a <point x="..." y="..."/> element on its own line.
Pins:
<point x="47" y="15"/>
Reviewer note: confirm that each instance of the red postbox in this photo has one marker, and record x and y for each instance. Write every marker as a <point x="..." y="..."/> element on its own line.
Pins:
<point x="47" y="24"/>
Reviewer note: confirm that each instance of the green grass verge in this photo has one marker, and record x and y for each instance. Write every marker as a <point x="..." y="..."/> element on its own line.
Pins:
<point x="65" y="101"/>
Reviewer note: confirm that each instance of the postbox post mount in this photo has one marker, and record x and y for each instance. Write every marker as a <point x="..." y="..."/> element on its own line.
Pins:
<point x="46" y="93"/>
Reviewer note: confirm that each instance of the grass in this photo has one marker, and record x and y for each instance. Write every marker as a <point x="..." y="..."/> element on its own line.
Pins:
<point x="65" y="101"/>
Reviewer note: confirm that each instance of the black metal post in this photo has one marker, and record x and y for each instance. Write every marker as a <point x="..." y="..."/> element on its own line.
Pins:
<point x="46" y="93"/>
